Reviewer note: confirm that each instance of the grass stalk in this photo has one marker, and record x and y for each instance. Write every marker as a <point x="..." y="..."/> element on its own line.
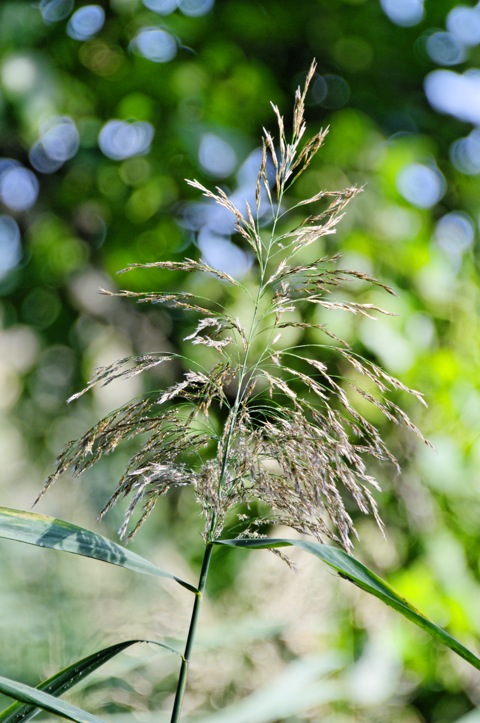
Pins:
<point x="182" y="678"/>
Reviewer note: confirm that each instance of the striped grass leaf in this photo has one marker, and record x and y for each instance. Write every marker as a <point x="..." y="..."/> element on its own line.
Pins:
<point x="351" y="569"/>
<point x="45" y="531"/>
<point x="66" y="679"/>
<point x="29" y="695"/>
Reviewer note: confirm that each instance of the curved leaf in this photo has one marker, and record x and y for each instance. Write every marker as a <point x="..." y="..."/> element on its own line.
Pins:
<point x="353" y="570"/>
<point x="68" y="677"/>
<point x="44" y="531"/>
<point x="29" y="695"/>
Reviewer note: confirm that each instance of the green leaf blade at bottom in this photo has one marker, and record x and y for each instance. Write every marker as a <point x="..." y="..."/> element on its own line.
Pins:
<point x="33" y="696"/>
<point x="67" y="678"/>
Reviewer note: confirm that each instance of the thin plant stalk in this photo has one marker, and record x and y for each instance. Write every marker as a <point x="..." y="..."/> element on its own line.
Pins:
<point x="182" y="678"/>
<point x="243" y="374"/>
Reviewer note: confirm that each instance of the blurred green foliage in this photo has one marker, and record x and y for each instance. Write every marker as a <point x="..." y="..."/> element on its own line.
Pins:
<point x="88" y="209"/>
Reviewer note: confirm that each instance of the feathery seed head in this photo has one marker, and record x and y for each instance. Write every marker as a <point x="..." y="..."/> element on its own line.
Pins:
<point x="291" y="437"/>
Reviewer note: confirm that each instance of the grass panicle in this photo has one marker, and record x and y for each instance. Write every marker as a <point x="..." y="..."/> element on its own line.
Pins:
<point x="291" y="436"/>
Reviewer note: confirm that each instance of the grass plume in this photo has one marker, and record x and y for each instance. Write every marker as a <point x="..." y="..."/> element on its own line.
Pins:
<point x="291" y="437"/>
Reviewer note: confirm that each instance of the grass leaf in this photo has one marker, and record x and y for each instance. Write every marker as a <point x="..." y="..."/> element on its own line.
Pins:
<point x="44" y="531"/>
<point x="68" y="677"/>
<point x="351" y="569"/>
<point x="29" y="695"/>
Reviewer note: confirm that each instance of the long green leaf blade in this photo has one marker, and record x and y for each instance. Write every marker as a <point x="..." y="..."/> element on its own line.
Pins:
<point x="360" y="575"/>
<point x="68" y="677"/>
<point x="26" y="694"/>
<point x="44" y="531"/>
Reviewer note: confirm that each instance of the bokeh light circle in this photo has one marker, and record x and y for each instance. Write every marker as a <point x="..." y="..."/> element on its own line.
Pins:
<point x="465" y="153"/>
<point x="19" y="73"/>
<point x="10" y="247"/>
<point x="162" y="7"/>
<point x="216" y="156"/>
<point x="55" y="10"/>
<point x="421" y="185"/>
<point x="61" y="139"/>
<point x="445" y="49"/>
<point x="405" y="13"/>
<point x="455" y="93"/>
<point x="195" y="8"/>
<point x="19" y="187"/>
<point x="464" y="22"/>
<point x="155" y="44"/>
<point x="220" y="253"/>
<point x="58" y="143"/>
<point x="41" y="161"/>
<point x="455" y="232"/>
<point x="86" y="22"/>
<point x="121" y="139"/>
<point x="330" y="91"/>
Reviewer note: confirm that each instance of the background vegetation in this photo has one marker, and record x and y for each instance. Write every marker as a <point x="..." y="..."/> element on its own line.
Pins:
<point x="103" y="113"/>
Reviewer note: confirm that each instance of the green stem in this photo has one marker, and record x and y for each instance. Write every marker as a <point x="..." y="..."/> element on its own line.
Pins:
<point x="182" y="678"/>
